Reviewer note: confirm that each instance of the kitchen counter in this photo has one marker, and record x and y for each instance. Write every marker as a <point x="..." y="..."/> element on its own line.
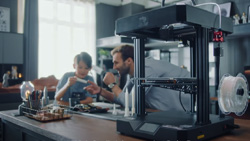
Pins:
<point x="83" y="127"/>
<point x="79" y="127"/>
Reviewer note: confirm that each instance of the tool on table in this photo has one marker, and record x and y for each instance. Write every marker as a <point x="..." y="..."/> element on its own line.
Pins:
<point x="81" y="80"/>
<point x="45" y="98"/>
<point x="114" y="110"/>
<point x="126" y="104"/>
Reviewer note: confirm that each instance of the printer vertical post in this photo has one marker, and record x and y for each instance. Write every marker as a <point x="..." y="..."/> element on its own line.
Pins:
<point x="139" y="73"/>
<point x="202" y="70"/>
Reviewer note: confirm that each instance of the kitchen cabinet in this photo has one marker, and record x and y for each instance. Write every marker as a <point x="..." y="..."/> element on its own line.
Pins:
<point x="11" y="48"/>
<point x="13" y="132"/>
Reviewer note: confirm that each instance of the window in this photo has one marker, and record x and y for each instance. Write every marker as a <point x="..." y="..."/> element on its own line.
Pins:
<point x="20" y="16"/>
<point x="211" y="64"/>
<point x="66" y="28"/>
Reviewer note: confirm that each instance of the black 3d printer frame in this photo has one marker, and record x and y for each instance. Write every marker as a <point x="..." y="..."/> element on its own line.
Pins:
<point x="197" y="25"/>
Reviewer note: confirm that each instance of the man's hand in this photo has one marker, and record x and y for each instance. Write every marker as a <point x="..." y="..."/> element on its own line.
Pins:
<point x="109" y="78"/>
<point x="93" y="88"/>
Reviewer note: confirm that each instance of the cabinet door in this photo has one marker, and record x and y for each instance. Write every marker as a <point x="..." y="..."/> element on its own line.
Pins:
<point x="12" y="48"/>
<point x="1" y="48"/>
<point x="11" y="132"/>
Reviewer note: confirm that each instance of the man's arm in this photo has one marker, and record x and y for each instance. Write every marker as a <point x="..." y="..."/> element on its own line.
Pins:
<point x="107" y="94"/>
<point x="94" y="89"/>
<point x="109" y="78"/>
<point x="110" y="96"/>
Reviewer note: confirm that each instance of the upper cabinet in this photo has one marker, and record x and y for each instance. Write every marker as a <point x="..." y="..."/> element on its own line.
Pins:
<point x="11" y="48"/>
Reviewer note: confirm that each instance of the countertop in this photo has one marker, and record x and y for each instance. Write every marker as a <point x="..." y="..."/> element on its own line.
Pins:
<point x="79" y="127"/>
<point x="83" y="127"/>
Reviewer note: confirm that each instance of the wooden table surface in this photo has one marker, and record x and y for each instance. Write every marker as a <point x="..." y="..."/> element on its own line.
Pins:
<point x="240" y="134"/>
<point x="78" y="128"/>
<point x="81" y="127"/>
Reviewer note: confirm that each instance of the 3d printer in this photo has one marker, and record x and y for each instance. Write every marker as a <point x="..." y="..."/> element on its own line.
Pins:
<point x="183" y="22"/>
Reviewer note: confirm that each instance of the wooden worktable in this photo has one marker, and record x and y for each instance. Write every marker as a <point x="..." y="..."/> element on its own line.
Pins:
<point x="241" y="134"/>
<point x="81" y="127"/>
<point x="78" y="128"/>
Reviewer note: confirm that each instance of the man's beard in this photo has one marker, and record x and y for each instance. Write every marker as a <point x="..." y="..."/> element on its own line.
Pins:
<point x="124" y="70"/>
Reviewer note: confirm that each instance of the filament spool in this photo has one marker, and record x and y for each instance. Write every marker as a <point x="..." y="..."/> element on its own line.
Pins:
<point x="233" y="94"/>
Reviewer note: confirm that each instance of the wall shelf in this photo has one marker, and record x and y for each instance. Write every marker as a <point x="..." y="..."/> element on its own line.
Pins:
<point x="114" y="41"/>
<point x="241" y="30"/>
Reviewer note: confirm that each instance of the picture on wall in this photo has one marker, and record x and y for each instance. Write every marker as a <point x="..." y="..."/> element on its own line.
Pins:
<point x="225" y="9"/>
<point x="4" y="19"/>
<point x="248" y="15"/>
